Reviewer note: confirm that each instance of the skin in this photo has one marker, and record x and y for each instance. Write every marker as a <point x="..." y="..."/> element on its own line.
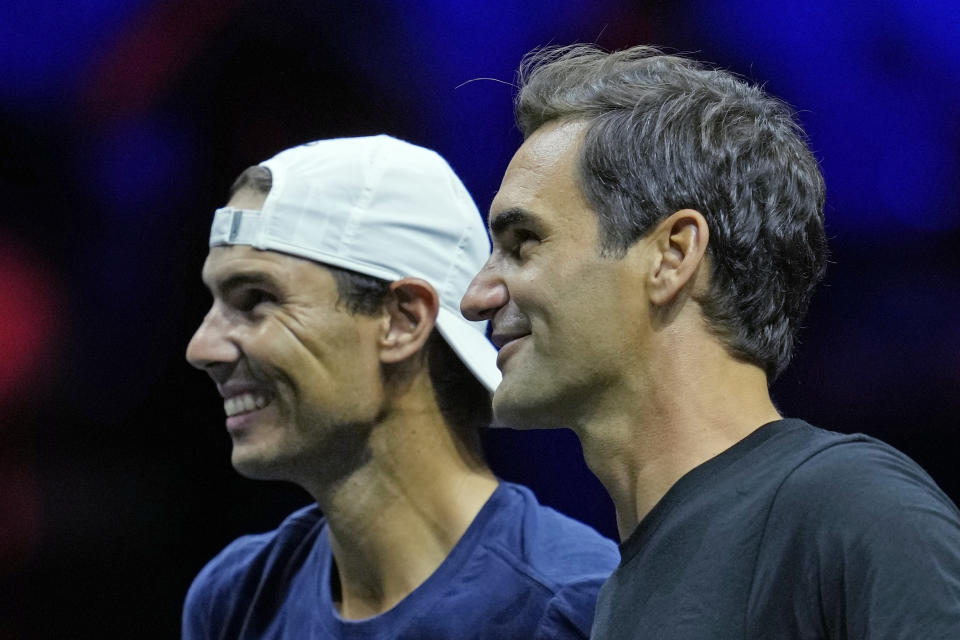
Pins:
<point x="614" y="348"/>
<point x="350" y="412"/>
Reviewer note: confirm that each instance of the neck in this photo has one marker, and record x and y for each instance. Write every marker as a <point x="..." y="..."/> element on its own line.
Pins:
<point x="655" y="426"/>
<point x="396" y="518"/>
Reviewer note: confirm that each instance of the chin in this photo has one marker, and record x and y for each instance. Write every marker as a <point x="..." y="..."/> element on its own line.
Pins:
<point x="519" y="409"/>
<point x="255" y="465"/>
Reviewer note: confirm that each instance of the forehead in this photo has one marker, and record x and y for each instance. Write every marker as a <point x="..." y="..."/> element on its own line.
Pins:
<point x="227" y="264"/>
<point x="543" y="171"/>
<point x="553" y="143"/>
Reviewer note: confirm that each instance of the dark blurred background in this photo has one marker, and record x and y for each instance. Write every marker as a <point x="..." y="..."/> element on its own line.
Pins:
<point x="123" y="122"/>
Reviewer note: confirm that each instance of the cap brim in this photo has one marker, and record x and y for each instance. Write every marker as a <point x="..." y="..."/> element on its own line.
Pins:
<point x="470" y="343"/>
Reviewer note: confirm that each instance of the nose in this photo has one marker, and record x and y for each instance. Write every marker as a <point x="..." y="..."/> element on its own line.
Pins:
<point x="211" y="346"/>
<point x="486" y="294"/>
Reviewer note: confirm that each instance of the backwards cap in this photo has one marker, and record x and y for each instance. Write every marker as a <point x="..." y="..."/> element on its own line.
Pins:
<point x="381" y="207"/>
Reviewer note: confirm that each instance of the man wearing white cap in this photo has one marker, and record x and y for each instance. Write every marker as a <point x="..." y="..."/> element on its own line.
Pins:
<point x="334" y="337"/>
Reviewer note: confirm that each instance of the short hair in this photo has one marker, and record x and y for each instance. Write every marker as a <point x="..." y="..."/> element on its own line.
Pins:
<point x="256" y="178"/>
<point x="665" y="133"/>
<point x="462" y="399"/>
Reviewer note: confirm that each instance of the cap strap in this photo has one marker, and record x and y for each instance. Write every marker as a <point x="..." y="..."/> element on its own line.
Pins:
<point x="236" y="226"/>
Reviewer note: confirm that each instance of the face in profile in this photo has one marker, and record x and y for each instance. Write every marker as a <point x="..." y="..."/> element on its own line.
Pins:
<point x="560" y="311"/>
<point x="299" y="374"/>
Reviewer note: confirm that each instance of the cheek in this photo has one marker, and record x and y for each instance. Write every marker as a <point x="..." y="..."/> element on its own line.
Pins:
<point x="330" y="350"/>
<point x="344" y="378"/>
<point x="550" y="291"/>
<point x="273" y="344"/>
<point x="581" y="308"/>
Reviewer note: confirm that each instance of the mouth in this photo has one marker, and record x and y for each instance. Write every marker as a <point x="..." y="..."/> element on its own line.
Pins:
<point x="507" y="345"/>
<point x="501" y="338"/>
<point x="244" y="403"/>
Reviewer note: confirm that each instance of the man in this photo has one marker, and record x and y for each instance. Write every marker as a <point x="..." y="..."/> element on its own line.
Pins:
<point x="336" y="270"/>
<point x="657" y="238"/>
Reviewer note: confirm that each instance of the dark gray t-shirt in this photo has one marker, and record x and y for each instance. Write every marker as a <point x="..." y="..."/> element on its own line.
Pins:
<point x="794" y="532"/>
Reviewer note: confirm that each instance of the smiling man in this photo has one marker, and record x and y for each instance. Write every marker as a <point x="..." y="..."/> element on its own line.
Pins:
<point x="334" y="337"/>
<point x="657" y="239"/>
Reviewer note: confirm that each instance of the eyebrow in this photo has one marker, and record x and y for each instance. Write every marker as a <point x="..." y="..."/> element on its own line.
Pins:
<point x="237" y="280"/>
<point x="503" y="220"/>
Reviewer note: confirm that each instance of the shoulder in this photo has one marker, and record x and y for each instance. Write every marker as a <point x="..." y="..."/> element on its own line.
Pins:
<point x="877" y="537"/>
<point x="858" y="475"/>
<point x="567" y="558"/>
<point x="245" y="562"/>
<point x="862" y="498"/>
<point x="253" y="552"/>
<point x="551" y="542"/>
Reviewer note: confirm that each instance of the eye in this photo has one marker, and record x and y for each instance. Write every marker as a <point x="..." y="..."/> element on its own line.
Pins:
<point x="248" y="299"/>
<point x="521" y="240"/>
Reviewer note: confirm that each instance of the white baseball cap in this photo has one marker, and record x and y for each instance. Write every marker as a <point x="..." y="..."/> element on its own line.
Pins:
<point x="381" y="207"/>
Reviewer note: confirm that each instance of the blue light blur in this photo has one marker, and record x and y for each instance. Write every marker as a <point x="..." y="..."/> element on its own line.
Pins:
<point x="876" y="84"/>
<point x="137" y="164"/>
<point x="44" y="44"/>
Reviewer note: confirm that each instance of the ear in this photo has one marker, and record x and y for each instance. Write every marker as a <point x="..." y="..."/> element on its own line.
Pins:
<point x="680" y="242"/>
<point x="411" y="313"/>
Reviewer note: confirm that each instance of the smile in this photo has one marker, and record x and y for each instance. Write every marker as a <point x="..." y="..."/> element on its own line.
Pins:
<point x="244" y="403"/>
<point x="501" y="337"/>
<point x="508" y="348"/>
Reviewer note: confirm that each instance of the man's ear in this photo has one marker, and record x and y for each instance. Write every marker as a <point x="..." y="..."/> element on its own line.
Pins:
<point x="679" y="244"/>
<point x="412" y="313"/>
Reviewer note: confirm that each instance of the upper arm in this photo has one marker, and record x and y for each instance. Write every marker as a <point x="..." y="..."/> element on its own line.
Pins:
<point x="195" y="622"/>
<point x="880" y="546"/>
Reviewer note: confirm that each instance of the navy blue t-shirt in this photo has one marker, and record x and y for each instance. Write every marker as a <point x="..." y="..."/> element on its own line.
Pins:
<point x="520" y="571"/>
<point x="794" y="532"/>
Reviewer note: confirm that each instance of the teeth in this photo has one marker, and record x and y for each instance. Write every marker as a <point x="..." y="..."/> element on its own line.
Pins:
<point x="244" y="403"/>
